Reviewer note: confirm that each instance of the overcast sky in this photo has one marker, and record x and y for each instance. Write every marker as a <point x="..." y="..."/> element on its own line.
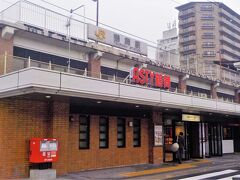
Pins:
<point x="145" y="18"/>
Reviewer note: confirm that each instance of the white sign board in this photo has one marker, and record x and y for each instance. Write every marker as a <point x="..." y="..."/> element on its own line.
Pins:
<point x="158" y="136"/>
<point x="117" y="40"/>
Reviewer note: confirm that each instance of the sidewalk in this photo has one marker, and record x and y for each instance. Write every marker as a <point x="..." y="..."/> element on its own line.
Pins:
<point x="136" y="170"/>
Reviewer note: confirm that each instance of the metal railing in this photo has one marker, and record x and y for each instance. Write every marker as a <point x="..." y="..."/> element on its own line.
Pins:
<point x="10" y="64"/>
<point x="25" y="12"/>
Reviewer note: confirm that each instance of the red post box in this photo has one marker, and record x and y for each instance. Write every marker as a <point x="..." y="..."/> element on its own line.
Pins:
<point x="43" y="150"/>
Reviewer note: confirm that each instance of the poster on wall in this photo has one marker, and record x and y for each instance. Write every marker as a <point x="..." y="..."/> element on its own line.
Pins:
<point x="158" y="136"/>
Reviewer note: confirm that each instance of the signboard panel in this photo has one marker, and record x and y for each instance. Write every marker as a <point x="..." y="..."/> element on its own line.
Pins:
<point x="117" y="40"/>
<point x="158" y="136"/>
<point x="189" y="117"/>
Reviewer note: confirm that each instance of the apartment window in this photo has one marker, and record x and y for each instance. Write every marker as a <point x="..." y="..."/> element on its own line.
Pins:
<point x="207" y="26"/>
<point x="227" y="133"/>
<point x="206" y="7"/>
<point x="84" y="132"/>
<point x="208" y="35"/>
<point x="207" y="17"/>
<point x="208" y="45"/>
<point x="209" y="54"/>
<point x="136" y="132"/>
<point x="185" y="48"/>
<point x="103" y="132"/>
<point x="121" y="132"/>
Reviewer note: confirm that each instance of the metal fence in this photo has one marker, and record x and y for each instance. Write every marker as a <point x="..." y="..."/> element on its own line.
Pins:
<point x="25" y="12"/>
<point x="10" y="64"/>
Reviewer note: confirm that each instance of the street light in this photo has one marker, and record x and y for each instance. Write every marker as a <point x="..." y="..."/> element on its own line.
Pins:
<point x="97" y="11"/>
<point x="68" y="25"/>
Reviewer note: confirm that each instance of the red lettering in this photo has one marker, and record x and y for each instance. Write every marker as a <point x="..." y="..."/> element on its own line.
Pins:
<point x="135" y="75"/>
<point x="158" y="80"/>
<point x="167" y="82"/>
<point x="141" y="76"/>
<point x="152" y="78"/>
<point x="146" y="76"/>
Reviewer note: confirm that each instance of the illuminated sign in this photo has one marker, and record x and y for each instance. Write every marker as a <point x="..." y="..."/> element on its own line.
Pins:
<point x="115" y="39"/>
<point x="147" y="77"/>
<point x="189" y="117"/>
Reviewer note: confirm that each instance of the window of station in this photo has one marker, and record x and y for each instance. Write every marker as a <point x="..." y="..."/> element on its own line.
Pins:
<point x="108" y="73"/>
<point x="227" y="133"/>
<point x="121" y="132"/>
<point x="103" y="132"/>
<point x="40" y="59"/>
<point x="84" y="132"/>
<point x="136" y="132"/>
<point x="225" y="97"/>
<point x="198" y="91"/>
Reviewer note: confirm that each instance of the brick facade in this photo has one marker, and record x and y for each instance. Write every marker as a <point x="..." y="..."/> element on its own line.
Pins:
<point x="94" y="66"/>
<point x="155" y="152"/>
<point x="22" y="119"/>
<point x="182" y="84"/>
<point x="94" y="157"/>
<point x="19" y="121"/>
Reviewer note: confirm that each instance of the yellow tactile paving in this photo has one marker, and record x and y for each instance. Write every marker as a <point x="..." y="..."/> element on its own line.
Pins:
<point x="165" y="169"/>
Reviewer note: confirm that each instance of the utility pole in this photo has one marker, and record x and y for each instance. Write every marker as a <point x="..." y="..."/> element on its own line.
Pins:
<point x="97" y="14"/>
<point x="68" y="25"/>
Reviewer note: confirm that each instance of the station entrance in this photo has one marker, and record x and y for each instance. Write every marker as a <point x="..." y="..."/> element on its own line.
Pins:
<point x="201" y="139"/>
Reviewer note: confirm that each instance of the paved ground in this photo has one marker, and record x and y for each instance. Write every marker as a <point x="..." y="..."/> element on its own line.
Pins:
<point x="165" y="171"/>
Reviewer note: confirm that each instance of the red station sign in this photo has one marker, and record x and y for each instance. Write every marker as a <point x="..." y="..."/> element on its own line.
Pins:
<point x="147" y="77"/>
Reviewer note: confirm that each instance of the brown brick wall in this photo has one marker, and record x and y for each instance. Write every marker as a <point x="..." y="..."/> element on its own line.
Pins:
<point x="155" y="152"/>
<point x="182" y="84"/>
<point x="6" y="46"/>
<point x="59" y="124"/>
<point x="19" y="121"/>
<point x="22" y="119"/>
<point x="94" y="66"/>
<point x="113" y="156"/>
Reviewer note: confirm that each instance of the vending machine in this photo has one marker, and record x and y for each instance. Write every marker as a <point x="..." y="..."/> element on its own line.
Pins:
<point x="43" y="150"/>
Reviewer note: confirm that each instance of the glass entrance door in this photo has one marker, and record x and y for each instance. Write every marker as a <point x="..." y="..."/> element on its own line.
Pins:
<point x="215" y="139"/>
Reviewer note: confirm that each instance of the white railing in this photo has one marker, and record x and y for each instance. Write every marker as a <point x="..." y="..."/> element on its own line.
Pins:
<point x="25" y="12"/>
<point x="9" y="64"/>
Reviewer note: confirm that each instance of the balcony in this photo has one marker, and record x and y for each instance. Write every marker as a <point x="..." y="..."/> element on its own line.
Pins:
<point x="187" y="48"/>
<point x="187" y="13"/>
<point x="26" y="79"/>
<point x="231" y="33"/>
<point x="186" y="40"/>
<point x="230" y="24"/>
<point x="187" y="30"/>
<point x="229" y="41"/>
<point x="187" y="22"/>
<point x="228" y="57"/>
<point x="37" y="80"/>
<point x="227" y="48"/>
<point x="226" y="13"/>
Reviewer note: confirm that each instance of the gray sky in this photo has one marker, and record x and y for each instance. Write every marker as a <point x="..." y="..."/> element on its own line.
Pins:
<point x="145" y="18"/>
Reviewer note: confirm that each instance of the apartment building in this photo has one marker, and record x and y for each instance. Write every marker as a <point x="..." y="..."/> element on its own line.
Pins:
<point x="167" y="51"/>
<point x="209" y="38"/>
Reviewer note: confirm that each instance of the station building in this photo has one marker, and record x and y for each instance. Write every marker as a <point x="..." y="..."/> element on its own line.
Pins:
<point x="107" y="105"/>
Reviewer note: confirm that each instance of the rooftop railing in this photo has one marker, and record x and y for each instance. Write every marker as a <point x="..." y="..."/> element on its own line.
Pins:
<point x="25" y="12"/>
<point x="10" y="64"/>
